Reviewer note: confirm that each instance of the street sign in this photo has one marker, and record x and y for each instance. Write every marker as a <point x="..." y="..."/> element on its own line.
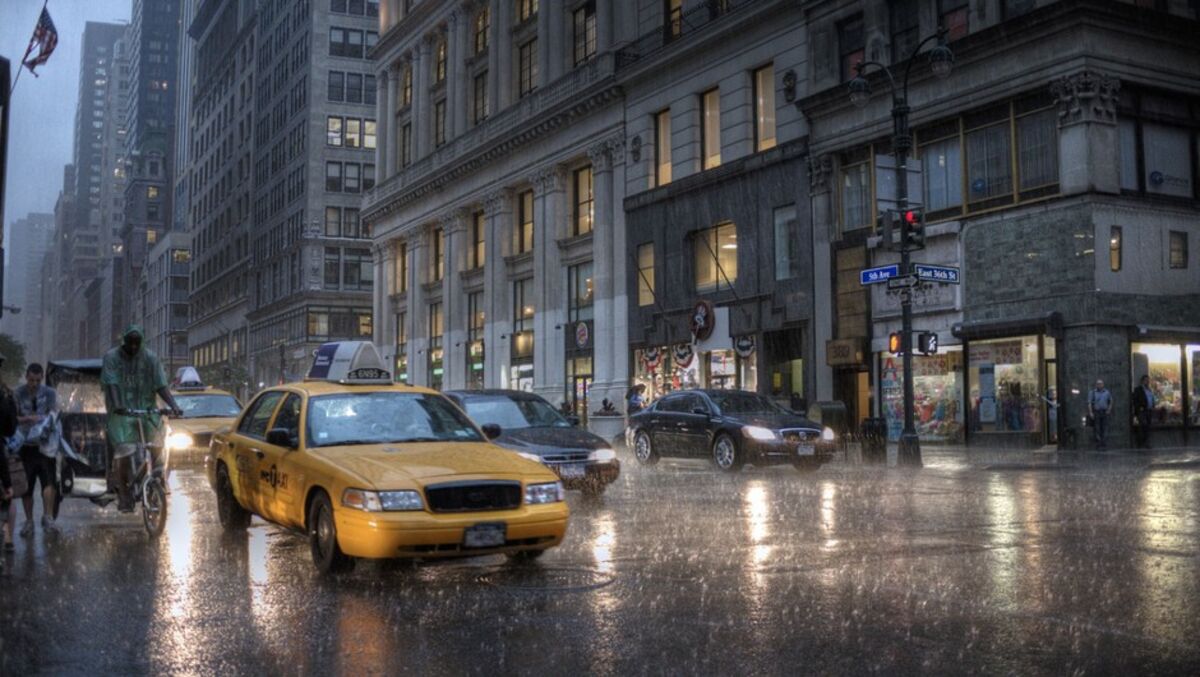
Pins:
<point x="878" y="274"/>
<point x="902" y="282"/>
<point x="943" y="274"/>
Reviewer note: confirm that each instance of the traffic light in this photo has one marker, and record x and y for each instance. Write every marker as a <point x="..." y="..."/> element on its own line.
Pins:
<point x="927" y="342"/>
<point x="895" y="344"/>
<point x="912" y="229"/>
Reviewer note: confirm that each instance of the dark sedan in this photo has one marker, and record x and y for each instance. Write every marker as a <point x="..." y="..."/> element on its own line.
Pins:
<point x="530" y="425"/>
<point x="731" y="427"/>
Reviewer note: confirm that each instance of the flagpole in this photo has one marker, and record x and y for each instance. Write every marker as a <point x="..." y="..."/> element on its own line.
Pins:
<point x="21" y="66"/>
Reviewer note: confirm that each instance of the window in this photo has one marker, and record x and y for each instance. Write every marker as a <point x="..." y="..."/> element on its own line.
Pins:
<point x="402" y="269"/>
<point x="478" y="240"/>
<point x="333" y="177"/>
<point x="662" y="148"/>
<point x="333" y="222"/>
<point x="369" y="134"/>
<point x="585" y="32"/>
<point x="406" y="87"/>
<point x="580" y="292"/>
<point x="850" y="45"/>
<point x="854" y="188"/>
<point x="480" y="101"/>
<point x="672" y="19"/>
<point x="522" y="338"/>
<point x="354" y="88"/>
<point x="1157" y="157"/>
<point x="353" y="133"/>
<point x="528" y="66"/>
<point x="346" y="43"/>
<point x="439" y="63"/>
<point x="645" y="261"/>
<point x="438" y="261"/>
<point x="406" y="145"/>
<point x="764" y="108"/>
<point x="254" y="423"/>
<point x="1037" y="148"/>
<point x="584" y="201"/>
<point x="1167" y="158"/>
<point x="941" y="162"/>
<point x="439" y="123"/>
<point x="787" y="244"/>
<point x="337" y="86"/>
<point x="358" y="270"/>
<point x="333" y="267"/>
<point x="989" y="160"/>
<point x="1114" y="248"/>
<point x="526" y="9"/>
<point x="1014" y="8"/>
<point x="352" y="178"/>
<point x="1179" y="249"/>
<point x="953" y="17"/>
<point x="716" y="258"/>
<point x="151" y="192"/>
<point x="352" y="225"/>
<point x="525" y="222"/>
<point x="482" y="24"/>
<point x="710" y="117"/>
<point x="1165" y="364"/>
<point x="905" y="31"/>
<point x="436" y="329"/>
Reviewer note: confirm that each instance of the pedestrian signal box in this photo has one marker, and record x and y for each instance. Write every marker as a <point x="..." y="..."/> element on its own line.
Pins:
<point x="927" y="342"/>
<point x="895" y="344"/>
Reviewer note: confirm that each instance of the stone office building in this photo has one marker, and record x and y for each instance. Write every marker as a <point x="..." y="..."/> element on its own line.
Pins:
<point x="498" y="224"/>
<point x="1059" y="162"/>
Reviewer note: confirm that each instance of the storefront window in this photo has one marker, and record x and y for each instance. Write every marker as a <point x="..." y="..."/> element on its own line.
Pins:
<point x="579" y="381"/>
<point x="716" y="258"/>
<point x="1193" y="361"/>
<point x="937" y="395"/>
<point x="1006" y="386"/>
<point x="722" y="369"/>
<point x="1163" y="363"/>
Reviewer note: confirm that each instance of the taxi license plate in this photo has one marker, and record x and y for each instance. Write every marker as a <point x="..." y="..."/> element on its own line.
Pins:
<point x="571" y="471"/>
<point x="805" y="450"/>
<point x="483" y="536"/>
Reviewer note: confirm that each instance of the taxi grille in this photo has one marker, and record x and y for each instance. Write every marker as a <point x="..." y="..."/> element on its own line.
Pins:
<point x="472" y="496"/>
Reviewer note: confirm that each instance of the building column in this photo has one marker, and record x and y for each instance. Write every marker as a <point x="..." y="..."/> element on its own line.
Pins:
<point x="501" y="59"/>
<point x="543" y="43"/>
<point x="1089" y="148"/>
<point x="378" y="295"/>
<point x="821" y="221"/>
<point x="497" y="351"/>
<point x="385" y="329"/>
<point x="460" y="51"/>
<point x="422" y="104"/>
<point x="603" y="279"/>
<point x="604" y="28"/>
<point x="454" y="65"/>
<point x="619" y="381"/>
<point x="389" y="93"/>
<point x="557" y="33"/>
<point x="550" y="217"/>
<point x="454" y="302"/>
<point x="418" y="310"/>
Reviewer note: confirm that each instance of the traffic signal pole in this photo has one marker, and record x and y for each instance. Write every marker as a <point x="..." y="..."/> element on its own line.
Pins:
<point x="909" y="452"/>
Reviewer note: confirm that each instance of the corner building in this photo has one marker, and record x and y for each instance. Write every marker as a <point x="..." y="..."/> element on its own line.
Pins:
<point x="498" y="223"/>
<point x="1059" y="163"/>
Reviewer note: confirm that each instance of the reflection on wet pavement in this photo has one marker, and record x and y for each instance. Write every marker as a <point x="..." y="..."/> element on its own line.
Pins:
<point x="678" y="569"/>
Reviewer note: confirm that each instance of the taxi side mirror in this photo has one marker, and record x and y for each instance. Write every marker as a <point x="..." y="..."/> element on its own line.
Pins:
<point x="491" y="430"/>
<point x="282" y="437"/>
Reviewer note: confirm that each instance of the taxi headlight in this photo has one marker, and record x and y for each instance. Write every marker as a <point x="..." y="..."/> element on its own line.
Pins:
<point x="550" y="492"/>
<point x="530" y="457"/>
<point x="827" y="434"/>
<point x="360" y="499"/>
<point x="602" y="456"/>
<point x="758" y="433"/>
<point x="179" y="441"/>
<point x="401" y="500"/>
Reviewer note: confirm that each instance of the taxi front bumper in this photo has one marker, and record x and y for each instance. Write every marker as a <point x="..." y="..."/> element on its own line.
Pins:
<point x="381" y="535"/>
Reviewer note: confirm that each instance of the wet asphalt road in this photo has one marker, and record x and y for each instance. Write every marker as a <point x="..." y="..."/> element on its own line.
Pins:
<point x="675" y="570"/>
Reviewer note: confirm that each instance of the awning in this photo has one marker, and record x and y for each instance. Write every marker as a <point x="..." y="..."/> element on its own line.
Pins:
<point x="1050" y="324"/>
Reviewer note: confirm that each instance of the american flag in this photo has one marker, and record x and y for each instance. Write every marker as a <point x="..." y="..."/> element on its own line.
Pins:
<point x="45" y="38"/>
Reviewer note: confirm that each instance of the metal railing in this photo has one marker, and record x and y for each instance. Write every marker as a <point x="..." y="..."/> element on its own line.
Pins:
<point x="678" y="28"/>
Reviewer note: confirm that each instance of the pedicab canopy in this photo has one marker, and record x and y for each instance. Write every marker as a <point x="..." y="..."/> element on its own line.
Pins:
<point x="349" y="363"/>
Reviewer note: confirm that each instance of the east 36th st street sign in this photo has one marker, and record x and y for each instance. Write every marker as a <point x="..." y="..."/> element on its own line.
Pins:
<point x="943" y="274"/>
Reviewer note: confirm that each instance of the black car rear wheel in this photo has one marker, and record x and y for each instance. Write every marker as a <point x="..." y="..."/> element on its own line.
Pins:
<point x="643" y="449"/>
<point x="726" y="455"/>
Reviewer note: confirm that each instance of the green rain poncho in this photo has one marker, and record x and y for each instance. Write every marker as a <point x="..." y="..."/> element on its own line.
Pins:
<point x="138" y="379"/>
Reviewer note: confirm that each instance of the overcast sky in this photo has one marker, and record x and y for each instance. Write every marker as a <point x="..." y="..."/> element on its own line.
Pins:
<point x="41" y="123"/>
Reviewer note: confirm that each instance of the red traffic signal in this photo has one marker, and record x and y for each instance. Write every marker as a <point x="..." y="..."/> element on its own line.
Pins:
<point x="895" y="344"/>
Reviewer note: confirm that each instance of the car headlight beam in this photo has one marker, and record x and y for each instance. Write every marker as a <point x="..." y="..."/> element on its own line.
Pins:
<point x="382" y="501"/>
<point x="179" y="441"/>
<point x="548" y="492"/>
<point x="827" y="434"/>
<point x="759" y="433"/>
<point x="602" y="456"/>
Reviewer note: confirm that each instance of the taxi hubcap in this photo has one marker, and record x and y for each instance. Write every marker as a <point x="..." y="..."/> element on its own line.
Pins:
<point x="643" y="448"/>
<point x="324" y="531"/>
<point x="724" y="453"/>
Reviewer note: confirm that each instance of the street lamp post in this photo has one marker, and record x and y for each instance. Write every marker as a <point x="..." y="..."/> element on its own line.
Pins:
<point x="941" y="59"/>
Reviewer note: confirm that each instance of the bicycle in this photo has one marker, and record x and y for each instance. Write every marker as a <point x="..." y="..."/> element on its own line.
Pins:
<point x="149" y="484"/>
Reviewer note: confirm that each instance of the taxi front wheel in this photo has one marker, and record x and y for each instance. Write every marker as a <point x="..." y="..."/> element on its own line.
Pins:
<point x="231" y="513"/>
<point x="322" y="536"/>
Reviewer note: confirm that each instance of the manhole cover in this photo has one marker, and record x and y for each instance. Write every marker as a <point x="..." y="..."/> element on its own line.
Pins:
<point x="548" y="579"/>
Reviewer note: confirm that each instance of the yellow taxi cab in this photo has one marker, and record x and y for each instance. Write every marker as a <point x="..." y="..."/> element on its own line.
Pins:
<point x="372" y="469"/>
<point x="206" y="411"/>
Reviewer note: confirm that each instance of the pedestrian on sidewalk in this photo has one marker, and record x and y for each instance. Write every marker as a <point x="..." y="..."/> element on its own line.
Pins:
<point x="1143" y="406"/>
<point x="35" y="405"/>
<point x="1099" y="404"/>
<point x="8" y="428"/>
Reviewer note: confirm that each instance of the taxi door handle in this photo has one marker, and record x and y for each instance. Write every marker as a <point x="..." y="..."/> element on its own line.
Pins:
<point x="259" y="453"/>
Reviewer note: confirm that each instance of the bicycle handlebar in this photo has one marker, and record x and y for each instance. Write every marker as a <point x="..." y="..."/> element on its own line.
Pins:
<point x="147" y="412"/>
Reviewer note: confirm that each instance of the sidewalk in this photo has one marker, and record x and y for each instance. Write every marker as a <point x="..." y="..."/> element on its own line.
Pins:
<point x="960" y="457"/>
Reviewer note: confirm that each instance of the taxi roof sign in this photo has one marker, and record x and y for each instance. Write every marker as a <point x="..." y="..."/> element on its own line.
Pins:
<point x="349" y="362"/>
<point x="188" y="378"/>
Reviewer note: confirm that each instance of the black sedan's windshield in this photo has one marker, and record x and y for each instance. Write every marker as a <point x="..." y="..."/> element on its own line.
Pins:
<point x="385" y="418"/>
<point x="208" y="406"/>
<point x="511" y="413"/>
<point x="740" y="402"/>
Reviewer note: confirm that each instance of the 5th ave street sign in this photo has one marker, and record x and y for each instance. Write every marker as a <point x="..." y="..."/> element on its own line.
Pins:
<point x="878" y="274"/>
<point x="943" y="274"/>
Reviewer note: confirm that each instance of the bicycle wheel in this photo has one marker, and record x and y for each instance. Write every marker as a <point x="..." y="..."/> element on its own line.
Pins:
<point x="154" y="507"/>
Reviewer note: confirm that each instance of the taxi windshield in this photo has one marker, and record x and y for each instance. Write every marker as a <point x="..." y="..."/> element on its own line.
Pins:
<point x="511" y="413"/>
<point x="385" y="418"/>
<point x="208" y="406"/>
